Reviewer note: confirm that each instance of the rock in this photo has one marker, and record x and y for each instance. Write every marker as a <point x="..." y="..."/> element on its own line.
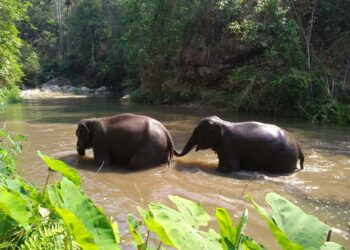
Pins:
<point x="53" y="88"/>
<point x="125" y="99"/>
<point x="101" y="90"/>
<point x="73" y="90"/>
<point x="85" y="90"/>
<point x="30" y="93"/>
<point x="59" y="81"/>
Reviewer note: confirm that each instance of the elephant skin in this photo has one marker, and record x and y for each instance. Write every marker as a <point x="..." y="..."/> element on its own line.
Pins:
<point x="251" y="146"/>
<point x="133" y="141"/>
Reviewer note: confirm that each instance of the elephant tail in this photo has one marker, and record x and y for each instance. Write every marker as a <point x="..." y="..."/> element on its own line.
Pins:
<point x="177" y="153"/>
<point x="301" y="157"/>
<point x="170" y="146"/>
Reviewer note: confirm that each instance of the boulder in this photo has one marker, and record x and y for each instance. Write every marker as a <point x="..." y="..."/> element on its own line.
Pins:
<point x="58" y="81"/>
<point x="101" y="90"/>
<point x="85" y="90"/>
<point x="125" y="99"/>
<point x="73" y="90"/>
<point x="53" y="88"/>
<point x="30" y="93"/>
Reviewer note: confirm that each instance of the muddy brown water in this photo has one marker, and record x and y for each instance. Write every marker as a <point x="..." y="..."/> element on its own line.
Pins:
<point x="321" y="189"/>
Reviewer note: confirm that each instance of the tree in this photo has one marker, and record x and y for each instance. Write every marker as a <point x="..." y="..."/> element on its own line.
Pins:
<point x="11" y="11"/>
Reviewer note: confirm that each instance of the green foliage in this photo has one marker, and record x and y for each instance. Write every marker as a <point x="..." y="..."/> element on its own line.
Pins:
<point x="50" y="235"/>
<point x="61" y="216"/>
<point x="59" y="166"/>
<point x="10" y="95"/>
<point x="233" y="236"/>
<point x="331" y="111"/>
<point x="14" y="206"/>
<point x="11" y="11"/>
<point x="89" y="226"/>
<point x="10" y="146"/>
<point x="292" y="228"/>
<point x="266" y="56"/>
<point x="30" y="64"/>
<point x="180" y="229"/>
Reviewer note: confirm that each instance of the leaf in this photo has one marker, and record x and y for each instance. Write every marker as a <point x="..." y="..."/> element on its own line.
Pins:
<point x="249" y="244"/>
<point x="227" y="231"/>
<point x="15" y="206"/>
<point x="134" y="229"/>
<point x="152" y="224"/>
<point x="232" y="235"/>
<point x="69" y="197"/>
<point x="193" y="212"/>
<point x="61" y="167"/>
<point x="240" y="227"/>
<point x="181" y="232"/>
<point x="307" y="230"/>
<point x="116" y="231"/>
<point x="81" y="234"/>
<point x="332" y="246"/>
<point x="279" y="235"/>
<point x="6" y="224"/>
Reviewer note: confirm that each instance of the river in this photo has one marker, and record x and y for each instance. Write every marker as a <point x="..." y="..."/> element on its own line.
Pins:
<point x="321" y="189"/>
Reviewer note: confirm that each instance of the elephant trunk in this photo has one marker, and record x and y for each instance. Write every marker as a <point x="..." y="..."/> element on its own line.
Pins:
<point x="189" y="145"/>
<point x="80" y="150"/>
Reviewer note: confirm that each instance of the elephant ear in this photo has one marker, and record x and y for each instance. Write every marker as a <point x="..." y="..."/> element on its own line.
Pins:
<point x="83" y="131"/>
<point x="215" y="133"/>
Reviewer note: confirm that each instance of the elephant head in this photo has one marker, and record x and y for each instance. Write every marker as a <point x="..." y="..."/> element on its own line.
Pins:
<point x="84" y="133"/>
<point x="207" y="134"/>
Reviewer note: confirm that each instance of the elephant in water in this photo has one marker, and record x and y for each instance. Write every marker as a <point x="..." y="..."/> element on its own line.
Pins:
<point x="130" y="140"/>
<point x="250" y="146"/>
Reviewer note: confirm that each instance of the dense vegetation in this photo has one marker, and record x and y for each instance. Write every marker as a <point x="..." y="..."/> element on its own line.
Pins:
<point x="61" y="216"/>
<point x="272" y="56"/>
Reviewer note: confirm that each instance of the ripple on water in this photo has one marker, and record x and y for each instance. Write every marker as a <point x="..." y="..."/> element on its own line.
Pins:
<point x="324" y="183"/>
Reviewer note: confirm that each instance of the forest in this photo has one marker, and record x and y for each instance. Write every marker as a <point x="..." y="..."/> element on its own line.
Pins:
<point x="288" y="58"/>
<point x="190" y="65"/>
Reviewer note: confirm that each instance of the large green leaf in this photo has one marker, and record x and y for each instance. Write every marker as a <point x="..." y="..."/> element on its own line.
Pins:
<point x="152" y="224"/>
<point x="134" y="229"/>
<point x="181" y="232"/>
<point x="81" y="234"/>
<point x="192" y="212"/>
<point x="61" y="167"/>
<point x="6" y="224"/>
<point x="332" y="246"/>
<point x="12" y="204"/>
<point x="240" y="227"/>
<point x="70" y="198"/>
<point x="227" y="230"/>
<point x="233" y="236"/>
<point x="307" y="230"/>
<point x="279" y="235"/>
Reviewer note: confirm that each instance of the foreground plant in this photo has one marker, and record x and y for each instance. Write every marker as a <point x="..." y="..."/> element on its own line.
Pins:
<point x="63" y="217"/>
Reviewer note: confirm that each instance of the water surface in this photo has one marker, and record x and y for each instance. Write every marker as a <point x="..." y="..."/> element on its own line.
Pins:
<point x="321" y="189"/>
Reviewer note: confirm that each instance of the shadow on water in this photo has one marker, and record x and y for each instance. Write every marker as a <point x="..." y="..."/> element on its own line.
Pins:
<point x="87" y="163"/>
<point x="194" y="166"/>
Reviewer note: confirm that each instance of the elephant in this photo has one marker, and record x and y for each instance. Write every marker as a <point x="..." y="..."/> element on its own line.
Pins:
<point x="252" y="146"/>
<point x="134" y="141"/>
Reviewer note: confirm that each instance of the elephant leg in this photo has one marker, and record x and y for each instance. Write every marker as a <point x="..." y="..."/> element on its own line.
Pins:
<point x="228" y="164"/>
<point x="102" y="156"/>
<point x="148" y="156"/>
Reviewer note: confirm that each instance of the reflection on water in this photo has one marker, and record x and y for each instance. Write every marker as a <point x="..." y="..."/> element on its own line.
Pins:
<point x="322" y="188"/>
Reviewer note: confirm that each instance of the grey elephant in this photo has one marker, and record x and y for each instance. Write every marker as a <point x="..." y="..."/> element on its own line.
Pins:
<point x="250" y="146"/>
<point x="130" y="140"/>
